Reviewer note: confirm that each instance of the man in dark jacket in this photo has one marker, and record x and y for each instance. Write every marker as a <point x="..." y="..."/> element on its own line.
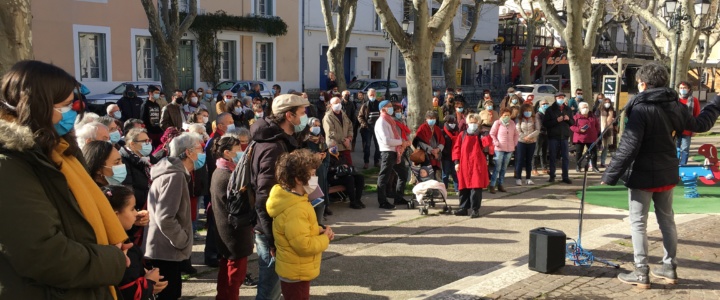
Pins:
<point x="558" y="119"/>
<point x="150" y="115"/>
<point x="172" y="114"/>
<point x="129" y="104"/>
<point x="273" y="136"/>
<point x="369" y="113"/>
<point x="647" y="160"/>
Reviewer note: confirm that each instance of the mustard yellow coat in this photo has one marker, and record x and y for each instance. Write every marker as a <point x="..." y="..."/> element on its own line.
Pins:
<point x="298" y="242"/>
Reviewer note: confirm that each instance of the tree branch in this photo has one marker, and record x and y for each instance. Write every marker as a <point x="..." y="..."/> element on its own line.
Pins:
<point x="189" y="18"/>
<point x="391" y="24"/>
<point x="598" y="11"/>
<point x="551" y="14"/>
<point x="351" y="17"/>
<point x="650" y="17"/>
<point x="326" y="8"/>
<point x="658" y="53"/>
<point x="154" y="22"/>
<point x="442" y="19"/>
<point x="473" y="26"/>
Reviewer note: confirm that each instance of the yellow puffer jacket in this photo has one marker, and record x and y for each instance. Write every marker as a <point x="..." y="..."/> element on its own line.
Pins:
<point x="297" y="235"/>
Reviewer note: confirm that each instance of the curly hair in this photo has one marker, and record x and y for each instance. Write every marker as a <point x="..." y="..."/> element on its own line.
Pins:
<point x="505" y="110"/>
<point x="295" y="165"/>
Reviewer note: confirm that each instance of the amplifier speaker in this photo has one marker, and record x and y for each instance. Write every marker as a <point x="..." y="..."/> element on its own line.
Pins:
<point x="547" y="250"/>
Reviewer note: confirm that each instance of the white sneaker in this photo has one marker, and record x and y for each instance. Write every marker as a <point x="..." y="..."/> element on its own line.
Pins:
<point x="529" y="182"/>
<point x="518" y="181"/>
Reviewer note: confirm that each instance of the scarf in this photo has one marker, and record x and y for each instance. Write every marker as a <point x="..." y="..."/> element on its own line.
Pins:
<point x="225" y="164"/>
<point x="425" y="134"/>
<point x="396" y="133"/>
<point x="91" y="200"/>
<point x="450" y="132"/>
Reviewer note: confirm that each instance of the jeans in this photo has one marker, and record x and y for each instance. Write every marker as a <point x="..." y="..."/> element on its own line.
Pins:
<point x="388" y="163"/>
<point x="470" y="198"/>
<point x="523" y="158"/>
<point x="561" y="145"/>
<point x="639" y="203"/>
<point x="502" y="159"/>
<point x="448" y="170"/>
<point x="541" y="150"/>
<point x="231" y="274"/>
<point x="368" y="137"/>
<point x="683" y="142"/>
<point x="579" y="148"/>
<point x="269" y="283"/>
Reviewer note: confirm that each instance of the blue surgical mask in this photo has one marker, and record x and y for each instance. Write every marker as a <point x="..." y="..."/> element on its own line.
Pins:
<point x="200" y="162"/>
<point x="684" y="92"/>
<point x="315" y="130"/>
<point x="560" y="101"/>
<point x="115" y="137"/>
<point x="238" y="110"/>
<point x="117" y="115"/>
<point x="472" y="127"/>
<point x="208" y="96"/>
<point x="398" y="116"/>
<point x="579" y="97"/>
<point x="371" y="99"/>
<point x="513" y="101"/>
<point x="243" y="95"/>
<point x="67" y="122"/>
<point x="303" y="123"/>
<point x="431" y="122"/>
<point x="489" y="107"/>
<point x="119" y="175"/>
<point x="146" y="149"/>
<point x="238" y="156"/>
<point x="545" y="106"/>
<point x="527" y="114"/>
<point x="390" y="111"/>
<point x="460" y="109"/>
<point x="156" y="96"/>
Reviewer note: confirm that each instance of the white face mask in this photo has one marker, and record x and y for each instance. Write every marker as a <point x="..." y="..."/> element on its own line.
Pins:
<point x="194" y="100"/>
<point x="607" y="105"/>
<point x="312" y="185"/>
<point x="337" y="107"/>
<point x="584" y="111"/>
<point x="451" y="125"/>
<point x="472" y="127"/>
<point x="205" y="120"/>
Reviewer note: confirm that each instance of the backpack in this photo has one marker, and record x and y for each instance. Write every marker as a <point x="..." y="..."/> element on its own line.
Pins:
<point x="240" y="194"/>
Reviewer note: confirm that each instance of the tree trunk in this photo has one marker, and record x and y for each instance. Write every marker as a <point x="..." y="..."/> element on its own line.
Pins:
<point x="15" y="33"/>
<point x="450" y="58"/>
<point x="167" y="67"/>
<point x="579" y="62"/>
<point x="419" y="87"/>
<point x="336" y="58"/>
<point x="526" y="64"/>
<point x="629" y="38"/>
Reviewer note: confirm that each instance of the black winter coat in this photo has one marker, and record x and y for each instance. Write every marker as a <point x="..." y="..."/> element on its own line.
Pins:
<point x="271" y="142"/>
<point x="137" y="177"/>
<point x="555" y="129"/>
<point x="129" y="108"/>
<point x="232" y="242"/>
<point x="646" y="154"/>
<point x="150" y="113"/>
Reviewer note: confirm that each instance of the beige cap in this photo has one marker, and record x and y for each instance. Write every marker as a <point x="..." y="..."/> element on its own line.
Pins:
<point x="284" y="102"/>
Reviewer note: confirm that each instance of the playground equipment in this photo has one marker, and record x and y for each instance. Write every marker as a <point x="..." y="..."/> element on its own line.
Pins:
<point x="708" y="173"/>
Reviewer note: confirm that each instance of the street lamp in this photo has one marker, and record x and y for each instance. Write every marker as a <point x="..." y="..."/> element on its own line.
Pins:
<point x="405" y="26"/>
<point x="674" y="15"/>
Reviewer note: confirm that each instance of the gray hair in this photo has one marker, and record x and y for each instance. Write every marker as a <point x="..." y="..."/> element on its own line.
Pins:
<point x="239" y="132"/>
<point x="184" y="142"/>
<point x="105" y="120"/>
<point x="196" y="128"/>
<point x="371" y="91"/>
<point x="132" y="134"/>
<point x="431" y="114"/>
<point x="335" y="98"/>
<point x="227" y="92"/>
<point x="88" y="132"/>
<point x="110" y="108"/>
<point x="88" y="117"/>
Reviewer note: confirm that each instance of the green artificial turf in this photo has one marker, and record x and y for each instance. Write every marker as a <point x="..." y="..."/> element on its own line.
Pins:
<point x="617" y="197"/>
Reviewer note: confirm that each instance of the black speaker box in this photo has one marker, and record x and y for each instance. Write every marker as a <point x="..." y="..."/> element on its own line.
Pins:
<point x="547" y="250"/>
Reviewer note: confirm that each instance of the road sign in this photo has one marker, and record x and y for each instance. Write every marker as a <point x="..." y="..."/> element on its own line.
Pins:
<point x="609" y="87"/>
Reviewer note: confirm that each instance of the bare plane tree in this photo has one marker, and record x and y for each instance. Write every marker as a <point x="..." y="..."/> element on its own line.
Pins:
<point x="15" y="33"/>
<point x="338" y="34"/>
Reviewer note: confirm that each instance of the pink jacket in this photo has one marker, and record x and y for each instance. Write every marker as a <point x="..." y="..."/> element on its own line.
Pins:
<point x="505" y="138"/>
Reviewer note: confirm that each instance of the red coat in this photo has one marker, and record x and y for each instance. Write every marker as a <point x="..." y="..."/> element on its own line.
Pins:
<point x="592" y="132"/>
<point x="468" y="149"/>
<point x="424" y="134"/>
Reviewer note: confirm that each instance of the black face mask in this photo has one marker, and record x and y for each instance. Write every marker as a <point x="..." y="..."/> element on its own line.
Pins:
<point x="179" y="100"/>
<point x="131" y="94"/>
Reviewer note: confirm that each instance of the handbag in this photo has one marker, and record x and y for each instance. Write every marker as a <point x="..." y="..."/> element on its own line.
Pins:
<point x="418" y="156"/>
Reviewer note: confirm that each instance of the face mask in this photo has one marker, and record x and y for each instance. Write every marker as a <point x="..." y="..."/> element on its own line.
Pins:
<point x="259" y="115"/>
<point x="584" y="111"/>
<point x="337" y="107"/>
<point x="390" y="111"/>
<point x="243" y="95"/>
<point x="607" y="105"/>
<point x="513" y="101"/>
<point x="228" y="100"/>
<point x="579" y="97"/>
<point x="371" y="99"/>
<point x="68" y="120"/>
<point x="146" y="149"/>
<point x="640" y="87"/>
<point x="684" y="92"/>
<point x="542" y="109"/>
<point x="458" y="93"/>
<point x="156" y="96"/>
<point x="431" y="122"/>
<point x="205" y="120"/>
<point x="545" y="106"/>
<point x="489" y="107"/>
<point x="303" y="123"/>
<point x="472" y="127"/>
<point x="230" y="127"/>
<point x="398" y="116"/>
<point x="179" y="100"/>
<point x="115" y="137"/>
<point x="322" y="98"/>
<point x="238" y="156"/>
<point x="117" y="115"/>
<point x="560" y="101"/>
<point x="194" y="100"/>
<point x="312" y="185"/>
<point x="119" y="175"/>
<point x="436" y="94"/>
<point x="511" y="94"/>
<point x="451" y="125"/>
<point x="333" y="150"/>
<point x="315" y="130"/>
<point x="527" y="114"/>
<point x="505" y="120"/>
<point x="200" y="162"/>
<point x="460" y="109"/>
<point x="208" y="96"/>
<point x="131" y="94"/>
<point x="238" y="110"/>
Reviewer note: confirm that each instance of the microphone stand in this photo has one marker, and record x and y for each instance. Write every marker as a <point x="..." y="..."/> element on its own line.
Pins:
<point x="574" y="251"/>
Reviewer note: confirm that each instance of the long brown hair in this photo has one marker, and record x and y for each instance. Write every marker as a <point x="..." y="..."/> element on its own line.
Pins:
<point x="28" y="92"/>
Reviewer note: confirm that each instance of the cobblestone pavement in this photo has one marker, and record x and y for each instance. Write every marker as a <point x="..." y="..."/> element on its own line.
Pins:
<point x="698" y="270"/>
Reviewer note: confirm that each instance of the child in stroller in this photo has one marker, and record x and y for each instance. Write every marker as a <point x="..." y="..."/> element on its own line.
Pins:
<point x="428" y="191"/>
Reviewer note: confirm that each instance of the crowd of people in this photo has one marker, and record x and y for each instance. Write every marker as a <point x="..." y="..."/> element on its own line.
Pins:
<point x="108" y="205"/>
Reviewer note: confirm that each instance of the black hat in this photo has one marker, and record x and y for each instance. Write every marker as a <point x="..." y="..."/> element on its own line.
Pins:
<point x="559" y="94"/>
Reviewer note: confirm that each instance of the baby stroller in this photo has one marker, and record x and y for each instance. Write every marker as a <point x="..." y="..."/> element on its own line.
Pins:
<point x="428" y="191"/>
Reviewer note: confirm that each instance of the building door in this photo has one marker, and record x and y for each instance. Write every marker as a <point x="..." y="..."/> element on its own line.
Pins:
<point x="376" y="69"/>
<point x="186" y="72"/>
<point x="467" y="71"/>
<point x="348" y="65"/>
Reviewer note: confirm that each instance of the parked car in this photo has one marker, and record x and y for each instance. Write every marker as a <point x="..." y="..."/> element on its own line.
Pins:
<point x="235" y="86"/>
<point x="98" y="103"/>
<point x="380" y="86"/>
<point x="537" y="92"/>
